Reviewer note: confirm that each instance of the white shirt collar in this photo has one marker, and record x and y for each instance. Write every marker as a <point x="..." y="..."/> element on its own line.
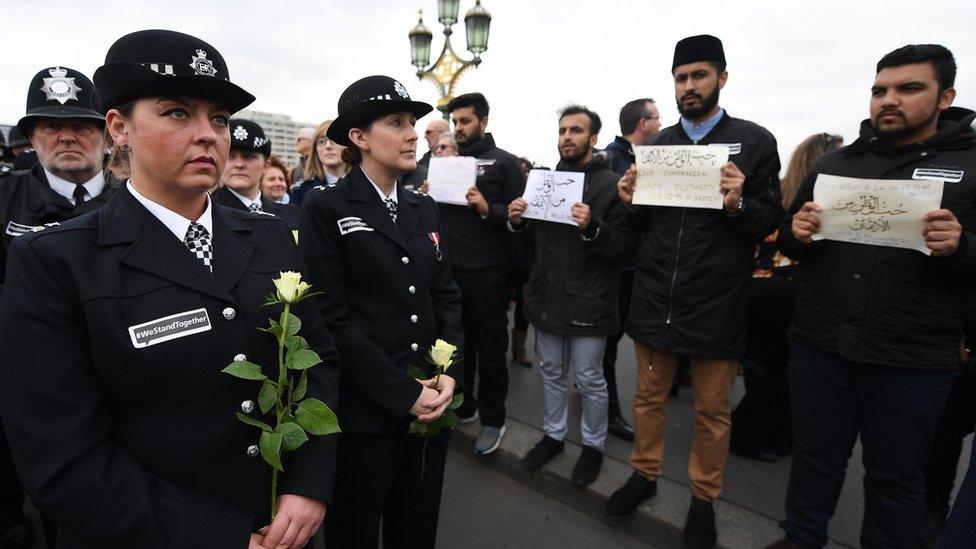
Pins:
<point x="66" y="189"/>
<point x="176" y="223"/>
<point x="329" y="178"/>
<point x="245" y="200"/>
<point x="379" y="191"/>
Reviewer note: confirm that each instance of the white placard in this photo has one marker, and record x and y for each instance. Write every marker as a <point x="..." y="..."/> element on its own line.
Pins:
<point x="551" y="195"/>
<point x="879" y="212"/>
<point x="687" y="176"/>
<point x="450" y="177"/>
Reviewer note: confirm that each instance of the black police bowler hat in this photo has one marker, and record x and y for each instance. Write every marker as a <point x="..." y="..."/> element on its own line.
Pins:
<point x="248" y="136"/>
<point x="16" y="138"/>
<point x="366" y="100"/>
<point x="59" y="92"/>
<point x="161" y="62"/>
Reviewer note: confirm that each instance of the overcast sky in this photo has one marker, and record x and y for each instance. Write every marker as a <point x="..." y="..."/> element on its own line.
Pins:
<point x="796" y="68"/>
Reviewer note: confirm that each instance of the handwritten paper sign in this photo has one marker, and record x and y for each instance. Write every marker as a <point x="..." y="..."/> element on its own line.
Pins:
<point x="683" y="176"/>
<point x="879" y="212"/>
<point x="551" y="195"/>
<point x="450" y="177"/>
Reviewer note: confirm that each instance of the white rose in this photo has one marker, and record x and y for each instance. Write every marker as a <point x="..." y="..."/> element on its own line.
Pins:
<point x="441" y="353"/>
<point x="290" y="287"/>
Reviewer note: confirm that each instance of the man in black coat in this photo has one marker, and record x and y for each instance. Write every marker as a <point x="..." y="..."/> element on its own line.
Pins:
<point x="480" y="250"/>
<point x="690" y="287"/>
<point x="65" y="130"/>
<point x="877" y="330"/>
<point x="241" y="182"/>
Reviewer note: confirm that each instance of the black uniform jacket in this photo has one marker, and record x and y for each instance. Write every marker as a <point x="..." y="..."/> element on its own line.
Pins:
<point x="473" y="242"/>
<point x="690" y="287"/>
<point x="288" y="212"/>
<point x="134" y="445"/>
<point x="27" y="202"/>
<point x="573" y="285"/>
<point x="891" y="306"/>
<point x="388" y="295"/>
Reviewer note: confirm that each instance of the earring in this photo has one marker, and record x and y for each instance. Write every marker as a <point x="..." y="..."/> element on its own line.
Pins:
<point x="125" y="148"/>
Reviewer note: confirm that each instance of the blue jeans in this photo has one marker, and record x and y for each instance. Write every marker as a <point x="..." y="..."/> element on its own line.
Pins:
<point x="960" y="529"/>
<point x="895" y="412"/>
<point x="556" y="353"/>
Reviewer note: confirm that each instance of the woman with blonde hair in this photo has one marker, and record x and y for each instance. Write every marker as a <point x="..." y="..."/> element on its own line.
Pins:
<point x="325" y="163"/>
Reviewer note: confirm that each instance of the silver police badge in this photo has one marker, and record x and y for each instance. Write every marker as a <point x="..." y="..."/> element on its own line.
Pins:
<point x="240" y="133"/>
<point x="59" y="87"/>
<point x="201" y="65"/>
<point x="398" y="87"/>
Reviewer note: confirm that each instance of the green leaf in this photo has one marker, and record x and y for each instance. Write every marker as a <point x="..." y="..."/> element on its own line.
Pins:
<point x="292" y="436"/>
<point x="270" y="445"/>
<point x="316" y="418"/>
<point x="251" y="421"/>
<point x="274" y="330"/>
<point x="456" y="402"/>
<point x="415" y="372"/>
<point x="294" y="343"/>
<point x="435" y="427"/>
<point x="450" y="419"/>
<point x="418" y="428"/>
<point x="298" y="392"/>
<point x="245" y="370"/>
<point x="294" y="324"/>
<point x="267" y="397"/>
<point x="302" y="359"/>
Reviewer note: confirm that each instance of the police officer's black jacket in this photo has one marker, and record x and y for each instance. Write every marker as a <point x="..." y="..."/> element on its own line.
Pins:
<point x="891" y="306"/>
<point x="693" y="264"/>
<point x="27" y="202"/>
<point x="288" y="212"/>
<point x="473" y="242"/>
<point x="127" y="445"/>
<point x="388" y="295"/>
<point x="573" y="286"/>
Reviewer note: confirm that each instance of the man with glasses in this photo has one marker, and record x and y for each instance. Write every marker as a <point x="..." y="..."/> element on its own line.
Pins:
<point x="66" y="132"/>
<point x="435" y="129"/>
<point x="640" y="121"/>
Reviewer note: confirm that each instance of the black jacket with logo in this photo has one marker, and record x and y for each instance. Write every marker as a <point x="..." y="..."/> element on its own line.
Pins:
<point x="288" y="212"/>
<point x="27" y="203"/>
<point x="388" y="294"/>
<point x="573" y="285"/>
<point x="473" y="242"/>
<point x="891" y="306"/>
<point x="690" y="287"/>
<point x="130" y="440"/>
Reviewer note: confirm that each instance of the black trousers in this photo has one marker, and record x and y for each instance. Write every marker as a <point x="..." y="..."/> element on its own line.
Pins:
<point x="378" y="481"/>
<point x="610" y="351"/>
<point x="11" y="493"/>
<point x="762" y="420"/>
<point x="957" y="422"/>
<point x="519" y="278"/>
<point x="894" y="411"/>
<point x="485" y="295"/>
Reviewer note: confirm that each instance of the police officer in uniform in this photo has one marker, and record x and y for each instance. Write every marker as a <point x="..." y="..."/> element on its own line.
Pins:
<point x="374" y="248"/>
<point x="241" y="181"/>
<point x="115" y="327"/>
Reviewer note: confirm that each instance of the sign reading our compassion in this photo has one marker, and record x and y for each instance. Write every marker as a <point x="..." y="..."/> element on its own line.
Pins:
<point x="687" y="176"/>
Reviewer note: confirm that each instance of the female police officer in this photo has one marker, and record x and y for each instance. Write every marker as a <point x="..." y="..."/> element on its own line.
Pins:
<point x="389" y="295"/>
<point x="116" y="325"/>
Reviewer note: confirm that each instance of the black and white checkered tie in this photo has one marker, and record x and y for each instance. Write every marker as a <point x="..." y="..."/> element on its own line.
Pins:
<point x="254" y="207"/>
<point x="391" y="207"/>
<point x="198" y="241"/>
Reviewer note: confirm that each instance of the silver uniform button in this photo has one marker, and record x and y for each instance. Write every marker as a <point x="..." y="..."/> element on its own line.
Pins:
<point x="405" y="260"/>
<point x="253" y="451"/>
<point x="413" y="318"/>
<point x="414" y="346"/>
<point x="229" y="313"/>
<point x="240" y="358"/>
<point x="247" y="406"/>
<point x="412" y="289"/>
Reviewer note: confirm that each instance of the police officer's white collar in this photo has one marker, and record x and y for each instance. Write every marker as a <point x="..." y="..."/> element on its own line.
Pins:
<point x="66" y="189"/>
<point x="329" y="178"/>
<point x="245" y="200"/>
<point x="379" y="191"/>
<point x="176" y="223"/>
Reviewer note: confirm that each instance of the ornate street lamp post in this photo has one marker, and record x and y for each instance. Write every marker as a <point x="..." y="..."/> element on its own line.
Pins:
<point x="447" y="70"/>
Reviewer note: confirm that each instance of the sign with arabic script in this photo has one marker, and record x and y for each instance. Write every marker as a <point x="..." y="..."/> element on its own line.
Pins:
<point x="878" y="212"/>
<point x="551" y="195"/>
<point x="684" y="176"/>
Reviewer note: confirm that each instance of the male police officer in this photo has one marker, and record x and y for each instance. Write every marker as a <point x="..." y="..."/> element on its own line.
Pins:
<point x="65" y="130"/>
<point x="690" y="287"/>
<point x="241" y="181"/>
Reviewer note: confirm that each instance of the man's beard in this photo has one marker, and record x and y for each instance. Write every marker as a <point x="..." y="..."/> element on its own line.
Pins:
<point x="464" y="139"/>
<point x="905" y="130"/>
<point x="573" y="158"/>
<point x="707" y="104"/>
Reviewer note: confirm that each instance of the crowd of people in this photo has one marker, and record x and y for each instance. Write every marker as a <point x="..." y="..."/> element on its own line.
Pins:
<point x="135" y="198"/>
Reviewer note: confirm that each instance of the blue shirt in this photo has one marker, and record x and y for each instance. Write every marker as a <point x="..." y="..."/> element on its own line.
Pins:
<point x="697" y="131"/>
